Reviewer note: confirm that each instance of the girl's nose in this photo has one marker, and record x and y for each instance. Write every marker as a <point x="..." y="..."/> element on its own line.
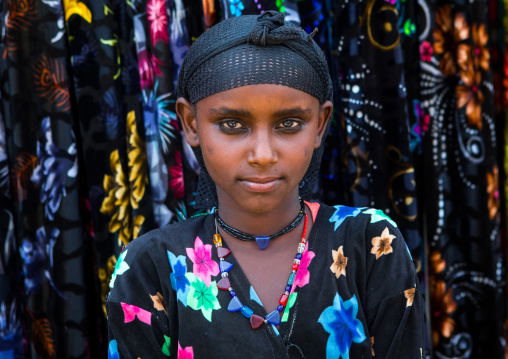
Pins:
<point x="263" y="152"/>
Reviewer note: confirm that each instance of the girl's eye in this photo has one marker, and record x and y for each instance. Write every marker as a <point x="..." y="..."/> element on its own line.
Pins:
<point x="289" y="124"/>
<point x="232" y="125"/>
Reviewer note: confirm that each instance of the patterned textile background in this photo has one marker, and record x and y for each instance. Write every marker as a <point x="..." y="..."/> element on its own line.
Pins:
<point x="92" y="155"/>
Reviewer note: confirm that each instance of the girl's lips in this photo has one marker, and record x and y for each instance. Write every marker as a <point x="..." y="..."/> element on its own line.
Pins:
<point x="260" y="184"/>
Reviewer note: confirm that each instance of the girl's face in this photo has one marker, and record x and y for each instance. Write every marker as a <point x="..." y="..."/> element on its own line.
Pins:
<point x="257" y="142"/>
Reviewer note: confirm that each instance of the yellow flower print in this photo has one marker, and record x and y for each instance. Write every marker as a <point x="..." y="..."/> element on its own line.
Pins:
<point x="339" y="262"/>
<point x="136" y="227"/>
<point x="116" y="203"/>
<point x="450" y="31"/>
<point x="382" y="244"/>
<point x="138" y="161"/>
<point x="437" y="263"/>
<point x="105" y="278"/>
<point x="125" y="194"/>
<point x="72" y="7"/>
<point x="480" y="51"/>
<point x="493" y="191"/>
<point x="442" y="305"/>
<point x="410" y="295"/>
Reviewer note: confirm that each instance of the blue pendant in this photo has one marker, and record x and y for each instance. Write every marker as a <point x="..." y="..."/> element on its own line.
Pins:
<point x="262" y="241"/>
<point x="225" y="266"/>
<point x="235" y="305"/>
<point x="273" y="317"/>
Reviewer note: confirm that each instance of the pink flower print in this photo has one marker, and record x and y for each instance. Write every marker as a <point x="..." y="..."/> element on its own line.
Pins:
<point x="423" y="119"/>
<point x="158" y="20"/>
<point x="303" y="275"/>
<point x="85" y="203"/>
<point x="426" y="51"/>
<point x="148" y="66"/>
<point x="204" y="267"/>
<point x="186" y="353"/>
<point x="423" y="123"/>
<point x="131" y="312"/>
<point x="176" y="173"/>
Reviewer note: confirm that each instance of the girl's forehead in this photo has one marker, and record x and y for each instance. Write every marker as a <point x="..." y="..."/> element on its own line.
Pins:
<point x="257" y="96"/>
<point x="264" y="99"/>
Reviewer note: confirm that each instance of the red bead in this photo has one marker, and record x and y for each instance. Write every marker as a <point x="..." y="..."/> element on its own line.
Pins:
<point x="222" y="252"/>
<point x="283" y="299"/>
<point x="256" y="321"/>
<point x="295" y="266"/>
<point x="305" y="226"/>
<point x="224" y="284"/>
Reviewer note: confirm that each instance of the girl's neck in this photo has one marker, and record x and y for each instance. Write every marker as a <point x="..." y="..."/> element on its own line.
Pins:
<point x="260" y="222"/>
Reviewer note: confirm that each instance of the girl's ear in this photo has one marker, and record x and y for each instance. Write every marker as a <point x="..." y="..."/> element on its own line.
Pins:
<point x="187" y="114"/>
<point x="325" y="112"/>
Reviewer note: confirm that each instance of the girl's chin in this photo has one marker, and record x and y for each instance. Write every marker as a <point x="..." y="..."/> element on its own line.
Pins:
<point x="260" y="202"/>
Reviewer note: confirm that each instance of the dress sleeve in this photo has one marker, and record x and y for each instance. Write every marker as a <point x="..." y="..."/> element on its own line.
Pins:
<point x="134" y="332"/>
<point x="138" y="325"/>
<point x="394" y="301"/>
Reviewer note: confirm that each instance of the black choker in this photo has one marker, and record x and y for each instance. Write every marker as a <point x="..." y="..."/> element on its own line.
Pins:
<point x="261" y="241"/>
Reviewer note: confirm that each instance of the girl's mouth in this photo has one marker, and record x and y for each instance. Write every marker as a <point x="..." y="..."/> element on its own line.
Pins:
<point x="260" y="184"/>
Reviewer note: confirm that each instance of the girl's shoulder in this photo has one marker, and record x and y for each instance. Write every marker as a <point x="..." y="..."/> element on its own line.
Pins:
<point x="145" y="264"/>
<point x="175" y="237"/>
<point x="347" y="218"/>
<point x="358" y="227"/>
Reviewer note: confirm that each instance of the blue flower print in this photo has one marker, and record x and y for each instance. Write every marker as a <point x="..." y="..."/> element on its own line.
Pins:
<point x="111" y="115"/>
<point x="378" y="215"/>
<point x="4" y="166"/>
<point x="341" y="213"/>
<point x="160" y="132"/>
<point x="340" y="321"/>
<point x="179" y="281"/>
<point x="113" y="350"/>
<point x="11" y="333"/>
<point x="37" y="256"/>
<point x="120" y="268"/>
<point x="55" y="166"/>
<point x="84" y="50"/>
<point x="236" y="7"/>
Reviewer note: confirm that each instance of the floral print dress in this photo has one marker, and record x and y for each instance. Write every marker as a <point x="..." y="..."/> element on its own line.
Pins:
<point x="355" y="295"/>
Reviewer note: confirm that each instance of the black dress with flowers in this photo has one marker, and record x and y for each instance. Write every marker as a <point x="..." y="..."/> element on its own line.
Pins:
<point x="355" y="295"/>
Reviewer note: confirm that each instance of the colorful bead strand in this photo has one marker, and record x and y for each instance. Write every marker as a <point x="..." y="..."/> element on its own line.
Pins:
<point x="235" y="305"/>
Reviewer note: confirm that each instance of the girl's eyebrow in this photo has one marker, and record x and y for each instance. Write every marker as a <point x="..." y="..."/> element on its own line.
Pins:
<point x="226" y="111"/>
<point x="293" y="111"/>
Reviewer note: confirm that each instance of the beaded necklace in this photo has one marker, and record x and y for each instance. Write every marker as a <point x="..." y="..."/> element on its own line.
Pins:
<point x="235" y="305"/>
<point x="261" y="241"/>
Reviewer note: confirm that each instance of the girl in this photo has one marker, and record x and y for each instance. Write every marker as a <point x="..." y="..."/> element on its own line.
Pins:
<point x="265" y="275"/>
